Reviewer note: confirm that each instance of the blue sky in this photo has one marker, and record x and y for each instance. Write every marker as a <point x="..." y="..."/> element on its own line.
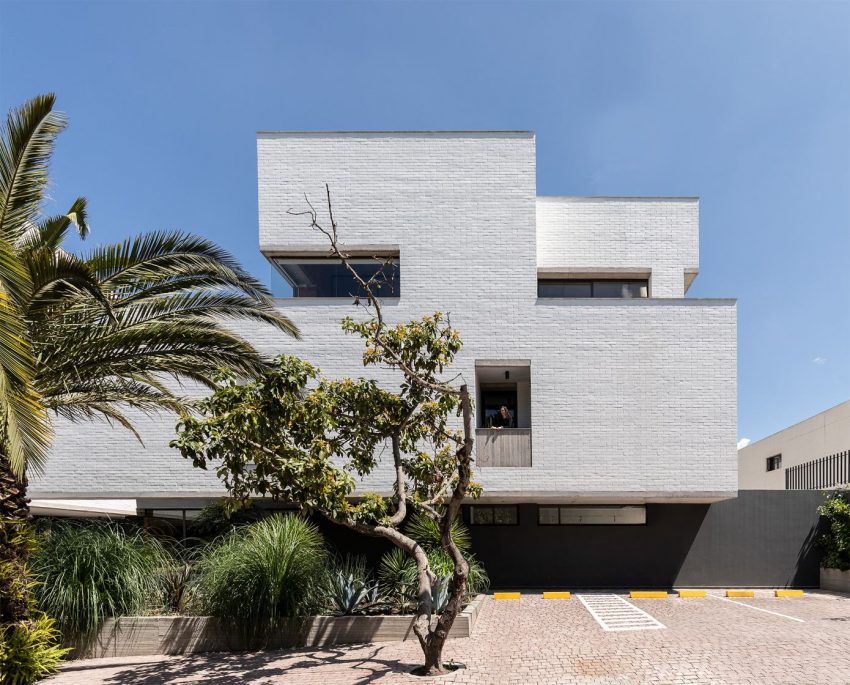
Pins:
<point x="745" y="104"/>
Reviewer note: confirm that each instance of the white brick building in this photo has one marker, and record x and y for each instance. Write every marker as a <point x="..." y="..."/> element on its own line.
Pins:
<point x="614" y="400"/>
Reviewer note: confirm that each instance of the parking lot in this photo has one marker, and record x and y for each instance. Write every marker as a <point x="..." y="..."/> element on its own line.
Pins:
<point x="547" y="641"/>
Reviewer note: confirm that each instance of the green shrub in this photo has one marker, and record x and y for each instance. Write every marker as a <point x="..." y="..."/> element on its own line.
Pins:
<point x="350" y="587"/>
<point x="397" y="571"/>
<point x="835" y="544"/>
<point x="426" y="532"/>
<point x="398" y="581"/>
<point x="215" y="520"/>
<point x="259" y="574"/>
<point x="29" y="651"/>
<point x="443" y="566"/>
<point x="90" y="571"/>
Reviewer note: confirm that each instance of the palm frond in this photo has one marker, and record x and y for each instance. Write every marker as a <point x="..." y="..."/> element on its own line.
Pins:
<point x="60" y="279"/>
<point x="25" y="150"/>
<point x="167" y="254"/>
<point x="52" y="231"/>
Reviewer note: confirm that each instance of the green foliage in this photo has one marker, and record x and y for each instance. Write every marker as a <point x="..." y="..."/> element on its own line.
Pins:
<point x="399" y="582"/>
<point x="350" y="586"/>
<point x="835" y="544"/>
<point x="426" y="531"/>
<point x="260" y="574"/>
<point x="397" y="571"/>
<point x="88" y="572"/>
<point x="29" y="651"/>
<point x="443" y="566"/>
<point x="26" y="145"/>
<point x="17" y="542"/>
<point x="215" y="519"/>
<point x="295" y="436"/>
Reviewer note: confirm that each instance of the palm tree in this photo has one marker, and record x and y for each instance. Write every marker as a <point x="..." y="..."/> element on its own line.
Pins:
<point x="25" y="148"/>
<point x="120" y="328"/>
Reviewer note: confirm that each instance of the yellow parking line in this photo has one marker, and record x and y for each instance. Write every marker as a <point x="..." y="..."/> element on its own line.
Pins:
<point x="788" y="593"/>
<point x="556" y="595"/>
<point x="740" y="593"/>
<point x="506" y="595"/>
<point x="691" y="593"/>
<point x="648" y="594"/>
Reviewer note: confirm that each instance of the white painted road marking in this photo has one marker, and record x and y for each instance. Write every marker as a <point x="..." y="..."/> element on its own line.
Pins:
<point x="750" y="606"/>
<point x="615" y="614"/>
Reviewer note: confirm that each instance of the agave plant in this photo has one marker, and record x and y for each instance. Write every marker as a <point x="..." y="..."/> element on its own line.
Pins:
<point x="350" y="587"/>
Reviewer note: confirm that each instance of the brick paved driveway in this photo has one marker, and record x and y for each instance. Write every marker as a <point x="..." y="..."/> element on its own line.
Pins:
<point x="551" y="641"/>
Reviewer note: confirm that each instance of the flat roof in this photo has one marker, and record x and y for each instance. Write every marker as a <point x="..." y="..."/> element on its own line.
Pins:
<point x="458" y="133"/>
<point x="620" y="198"/>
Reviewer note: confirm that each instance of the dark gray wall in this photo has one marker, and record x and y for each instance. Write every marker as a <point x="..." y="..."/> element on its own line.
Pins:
<point x="763" y="538"/>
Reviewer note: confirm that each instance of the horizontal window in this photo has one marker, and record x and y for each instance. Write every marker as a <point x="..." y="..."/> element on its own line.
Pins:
<point x="590" y="516"/>
<point x="567" y="287"/>
<point x="327" y="277"/>
<point x="498" y="515"/>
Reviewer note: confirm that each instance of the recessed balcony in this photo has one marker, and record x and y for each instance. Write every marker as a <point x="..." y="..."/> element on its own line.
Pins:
<point x="503" y="447"/>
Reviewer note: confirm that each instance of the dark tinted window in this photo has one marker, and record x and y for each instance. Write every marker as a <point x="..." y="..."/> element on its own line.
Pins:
<point x="320" y="277"/>
<point x="562" y="287"/>
<point x="498" y="515"/>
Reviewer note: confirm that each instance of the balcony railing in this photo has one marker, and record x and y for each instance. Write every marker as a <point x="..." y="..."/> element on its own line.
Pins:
<point x="503" y="447"/>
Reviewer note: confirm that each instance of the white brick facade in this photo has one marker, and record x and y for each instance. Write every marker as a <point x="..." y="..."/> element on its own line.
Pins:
<point x="631" y="400"/>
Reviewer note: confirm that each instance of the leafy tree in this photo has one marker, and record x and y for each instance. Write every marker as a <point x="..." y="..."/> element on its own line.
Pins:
<point x="295" y="436"/>
<point x="90" y="336"/>
<point x="835" y="544"/>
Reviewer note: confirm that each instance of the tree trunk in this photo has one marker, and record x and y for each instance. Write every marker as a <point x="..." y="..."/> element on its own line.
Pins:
<point x="434" y="658"/>
<point x="15" y="544"/>
<point x="438" y="636"/>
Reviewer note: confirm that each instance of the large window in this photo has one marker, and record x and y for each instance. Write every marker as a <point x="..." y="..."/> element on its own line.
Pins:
<point x="591" y="515"/>
<point x="566" y="287"/>
<point x="327" y="277"/>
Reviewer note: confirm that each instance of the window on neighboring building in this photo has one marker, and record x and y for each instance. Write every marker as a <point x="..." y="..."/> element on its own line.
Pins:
<point x="591" y="515"/>
<point x="567" y="287"/>
<point x="774" y="462"/>
<point x="328" y="277"/>
<point x="496" y="515"/>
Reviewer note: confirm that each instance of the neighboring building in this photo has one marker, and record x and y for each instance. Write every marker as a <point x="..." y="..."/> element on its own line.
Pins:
<point x="811" y="455"/>
<point x="572" y="312"/>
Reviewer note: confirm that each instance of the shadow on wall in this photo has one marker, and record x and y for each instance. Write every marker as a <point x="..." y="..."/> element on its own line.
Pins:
<point x="759" y="539"/>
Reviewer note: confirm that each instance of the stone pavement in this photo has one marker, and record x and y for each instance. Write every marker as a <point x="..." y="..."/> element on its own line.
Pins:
<point x="550" y="642"/>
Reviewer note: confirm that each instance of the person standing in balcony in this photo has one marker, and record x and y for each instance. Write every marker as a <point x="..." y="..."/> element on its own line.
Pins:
<point x="503" y="419"/>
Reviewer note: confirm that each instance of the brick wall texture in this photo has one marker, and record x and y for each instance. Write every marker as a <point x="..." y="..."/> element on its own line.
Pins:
<point x="631" y="400"/>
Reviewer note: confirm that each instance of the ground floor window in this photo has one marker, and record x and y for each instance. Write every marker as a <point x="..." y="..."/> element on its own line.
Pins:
<point x="494" y="515"/>
<point x="551" y="515"/>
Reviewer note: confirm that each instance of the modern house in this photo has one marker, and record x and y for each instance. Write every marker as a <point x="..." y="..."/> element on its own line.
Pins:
<point x="813" y="454"/>
<point x="574" y="316"/>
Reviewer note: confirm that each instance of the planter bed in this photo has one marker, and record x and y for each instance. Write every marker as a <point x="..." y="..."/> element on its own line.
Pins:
<point x="151" y="635"/>
<point x="835" y="580"/>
